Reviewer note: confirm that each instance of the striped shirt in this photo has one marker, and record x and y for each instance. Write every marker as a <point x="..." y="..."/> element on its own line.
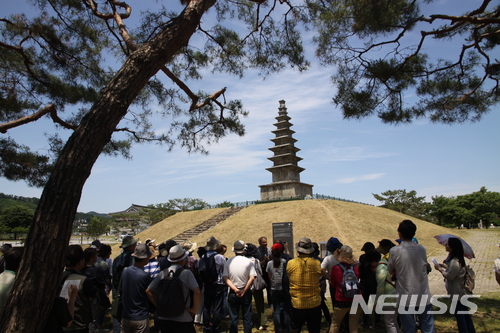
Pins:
<point x="152" y="268"/>
<point x="304" y="273"/>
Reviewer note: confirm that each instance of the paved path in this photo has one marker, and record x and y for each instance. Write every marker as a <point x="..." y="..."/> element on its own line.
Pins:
<point x="484" y="245"/>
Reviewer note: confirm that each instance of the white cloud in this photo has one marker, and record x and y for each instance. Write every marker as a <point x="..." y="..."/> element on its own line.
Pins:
<point x="348" y="154"/>
<point x="348" y="180"/>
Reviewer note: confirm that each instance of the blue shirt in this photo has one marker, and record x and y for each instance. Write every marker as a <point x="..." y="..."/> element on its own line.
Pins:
<point x="134" y="298"/>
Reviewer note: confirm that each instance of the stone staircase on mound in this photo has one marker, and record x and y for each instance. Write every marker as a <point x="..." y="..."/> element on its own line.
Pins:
<point x="206" y="225"/>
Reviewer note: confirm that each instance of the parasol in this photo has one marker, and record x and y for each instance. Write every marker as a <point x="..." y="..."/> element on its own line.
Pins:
<point x="443" y="240"/>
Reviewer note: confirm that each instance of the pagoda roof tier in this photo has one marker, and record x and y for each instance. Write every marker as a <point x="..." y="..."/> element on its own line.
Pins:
<point x="282" y="118"/>
<point x="286" y="131"/>
<point x="294" y="157"/>
<point x="283" y="138"/>
<point x="286" y="123"/>
<point x="290" y="166"/>
<point x="286" y="147"/>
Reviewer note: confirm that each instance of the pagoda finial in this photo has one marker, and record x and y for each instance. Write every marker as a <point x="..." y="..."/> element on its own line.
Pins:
<point x="282" y="104"/>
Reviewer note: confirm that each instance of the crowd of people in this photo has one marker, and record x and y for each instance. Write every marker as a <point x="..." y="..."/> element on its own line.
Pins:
<point x="178" y="290"/>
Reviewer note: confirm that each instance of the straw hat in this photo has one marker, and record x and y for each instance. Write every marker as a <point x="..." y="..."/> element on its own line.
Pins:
<point x="345" y="255"/>
<point x="239" y="247"/>
<point x="188" y="246"/>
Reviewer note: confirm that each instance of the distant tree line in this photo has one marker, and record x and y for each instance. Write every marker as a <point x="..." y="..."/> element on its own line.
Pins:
<point x="16" y="220"/>
<point x="16" y="215"/>
<point x="466" y="210"/>
<point x="8" y="200"/>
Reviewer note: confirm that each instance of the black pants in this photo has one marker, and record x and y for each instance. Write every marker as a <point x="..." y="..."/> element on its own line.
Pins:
<point x="212" y="307"/>
<point x="170" y="326"/>
<point x="310" y="316"/>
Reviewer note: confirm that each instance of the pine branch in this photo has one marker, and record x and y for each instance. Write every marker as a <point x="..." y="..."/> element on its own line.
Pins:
<point x="49" y="109"/>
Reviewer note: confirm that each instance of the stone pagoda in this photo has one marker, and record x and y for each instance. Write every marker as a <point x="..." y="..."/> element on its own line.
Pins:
<point x="286" y="172"/>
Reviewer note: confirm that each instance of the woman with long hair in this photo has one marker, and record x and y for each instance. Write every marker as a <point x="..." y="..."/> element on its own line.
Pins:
<point x="453" y="271"/>
<point x="258" y="295"/>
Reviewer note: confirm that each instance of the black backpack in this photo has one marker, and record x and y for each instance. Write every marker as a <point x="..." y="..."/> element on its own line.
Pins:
<point x="170" y="298"/>
<point x="207" y="269"/>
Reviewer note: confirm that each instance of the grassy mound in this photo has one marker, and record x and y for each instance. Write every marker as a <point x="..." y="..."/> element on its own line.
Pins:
<point x="354" y="224"/>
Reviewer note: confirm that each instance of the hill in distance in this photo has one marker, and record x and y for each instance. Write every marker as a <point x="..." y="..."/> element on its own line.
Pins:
<point x="354" y="224"/>
<point x="7" y="200"/>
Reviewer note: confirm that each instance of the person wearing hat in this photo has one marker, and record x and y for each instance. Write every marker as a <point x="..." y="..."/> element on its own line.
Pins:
<point x="408" y="262"/>
<point x="191" y="261"/>
<point x="239" y="273"/>
<point x="164" y="249"/>
<point x="177" y="256"/>
<point x="124" y="259"/>
<point x="135" y="281"/>
<point x="386" y="285"/>
<point x="343" y="304"/>
<point x="213" y="292"/>
<point x="304" y="273"/>
<point x="332" y="246"/>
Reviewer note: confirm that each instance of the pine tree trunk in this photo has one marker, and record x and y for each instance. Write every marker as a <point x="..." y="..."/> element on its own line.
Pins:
<point x="42" y="264"/>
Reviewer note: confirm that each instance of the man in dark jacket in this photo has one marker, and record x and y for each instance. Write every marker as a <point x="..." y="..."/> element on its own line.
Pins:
<point x="74" y="261"/>
<point x="121" y="262"/>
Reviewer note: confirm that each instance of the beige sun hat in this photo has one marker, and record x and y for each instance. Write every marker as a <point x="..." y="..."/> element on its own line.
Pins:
<point x="345" y="255"/>
<point x="239" y="247"/>
<point x="188" y="246"/>
<point x="177" y="253"/>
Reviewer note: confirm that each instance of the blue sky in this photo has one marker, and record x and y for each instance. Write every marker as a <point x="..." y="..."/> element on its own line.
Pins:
<point x="347" y="159"/>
